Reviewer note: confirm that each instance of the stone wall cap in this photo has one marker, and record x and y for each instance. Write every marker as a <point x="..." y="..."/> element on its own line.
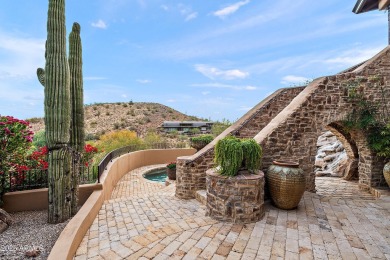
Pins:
<point x="242" y="175"/>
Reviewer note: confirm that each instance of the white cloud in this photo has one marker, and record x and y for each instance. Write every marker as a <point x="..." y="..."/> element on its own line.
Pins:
<point x="94" y="78"/>
<point x="191" y="16"/>
<point x="124" y="95"/>
<point x="354" y="57"/>
<point x="20" y="56"/>
<point x="215" y="73"/>
<point x="164" y="7"/>
<point x="228" y="10"/>
<point x="205" y="93"/>
<point x="291" y="79"/>
<point x="250" y="88"/>
<point x="143" y="81"/>
<point x="187" y="12"/>
<point x="220" y="85"/>
<point x="99" y="24"/>
<point x="171" y="100"/>
<point x="244" y="108"/>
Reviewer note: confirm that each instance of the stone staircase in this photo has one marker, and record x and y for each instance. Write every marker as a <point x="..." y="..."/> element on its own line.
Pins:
<point x="287" y="125"/>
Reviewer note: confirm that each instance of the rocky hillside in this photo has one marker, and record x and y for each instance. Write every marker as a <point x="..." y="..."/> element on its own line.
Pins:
<point x="140" y="117"/>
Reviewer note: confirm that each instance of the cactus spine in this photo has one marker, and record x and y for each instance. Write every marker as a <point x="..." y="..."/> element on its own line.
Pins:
<point x="77" y="120"/>
<point x="58" y="111"/>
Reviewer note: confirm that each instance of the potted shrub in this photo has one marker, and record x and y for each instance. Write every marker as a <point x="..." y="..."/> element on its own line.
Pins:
<point x="235" y="188"/>
<point x="171" y="170"/>
<point x="198" y="142"/>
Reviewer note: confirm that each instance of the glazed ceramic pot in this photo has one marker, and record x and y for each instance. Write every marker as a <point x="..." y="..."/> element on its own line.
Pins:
<point x="286" y="182"/>
<point x="386" y="173"/>
<point x="171" y="173"/>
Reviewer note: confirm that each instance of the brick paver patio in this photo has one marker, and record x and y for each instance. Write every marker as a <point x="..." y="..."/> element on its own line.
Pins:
<point x="144" y="220"/>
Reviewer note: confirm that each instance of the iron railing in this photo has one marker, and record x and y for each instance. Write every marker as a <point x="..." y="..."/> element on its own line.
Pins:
<point x="38" y="178"/>
<point x="124" y="150"/>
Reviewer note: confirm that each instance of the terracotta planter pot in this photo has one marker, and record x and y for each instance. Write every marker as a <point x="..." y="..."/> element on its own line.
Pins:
<point x="386" y="173"/>
<point x="286" y="183"/>
<point x="171" y="173"/>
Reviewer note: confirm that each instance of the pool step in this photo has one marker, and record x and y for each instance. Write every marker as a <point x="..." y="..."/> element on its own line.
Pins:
<point x="201" y="196"/>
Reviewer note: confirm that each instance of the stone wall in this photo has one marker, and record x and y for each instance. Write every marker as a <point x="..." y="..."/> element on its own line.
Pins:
<point x="238" y="199"/>
<point x="293" y="133"/>
<point x="289" y="130"/>
<point x="191" y="171"/>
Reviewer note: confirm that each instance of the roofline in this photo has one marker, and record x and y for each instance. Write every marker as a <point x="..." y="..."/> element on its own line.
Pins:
<point x="358" y="6"/>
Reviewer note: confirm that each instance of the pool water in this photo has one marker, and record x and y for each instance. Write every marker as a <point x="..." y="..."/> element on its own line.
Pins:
<point x="156" y="175"/>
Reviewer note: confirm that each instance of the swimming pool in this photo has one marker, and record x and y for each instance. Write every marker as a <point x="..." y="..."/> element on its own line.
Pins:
<point x="158" y="175"/>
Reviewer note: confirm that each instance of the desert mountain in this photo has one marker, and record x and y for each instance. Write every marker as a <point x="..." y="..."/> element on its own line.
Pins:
<point x="101" y="118"/>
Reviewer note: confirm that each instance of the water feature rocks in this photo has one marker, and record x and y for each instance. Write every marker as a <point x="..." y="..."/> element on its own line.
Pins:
<point x="331" y="159"/>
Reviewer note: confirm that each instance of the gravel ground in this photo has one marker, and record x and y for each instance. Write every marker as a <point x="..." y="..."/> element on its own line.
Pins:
<point x="30" y="230"/>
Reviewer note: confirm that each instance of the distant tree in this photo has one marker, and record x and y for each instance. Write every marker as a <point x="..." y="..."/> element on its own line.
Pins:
<point x="218" y="127"/>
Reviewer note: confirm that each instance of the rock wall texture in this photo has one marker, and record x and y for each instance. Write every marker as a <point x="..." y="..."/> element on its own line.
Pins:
<point x="331" y="159"/>
<point x="191" y="171"/>
<point x="289" y="129"/>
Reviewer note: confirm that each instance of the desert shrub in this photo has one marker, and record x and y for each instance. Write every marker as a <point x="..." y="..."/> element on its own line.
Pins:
<point x="218" y="127"/>
<point x="107" y="113"/>
<point x="90" y="137"/>
<point x="34" y="120"/>
<point x="114" y="140"/>
<point x="39" y="139"/>
<point x="199" y="142"/>
<point x="124" y="105"/>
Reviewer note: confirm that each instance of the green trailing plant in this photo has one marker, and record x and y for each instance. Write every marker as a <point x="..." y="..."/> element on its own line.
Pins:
<point x="64" y="132"/>
<point x="252" y="154"/>
<point x="371" y="117"/>
<point x="232" y="153"/>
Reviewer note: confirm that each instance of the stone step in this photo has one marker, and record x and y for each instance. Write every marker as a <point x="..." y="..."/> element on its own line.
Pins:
<point x="201" y="196"/>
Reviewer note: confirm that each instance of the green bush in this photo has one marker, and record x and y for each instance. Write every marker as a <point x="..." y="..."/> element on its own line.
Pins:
<point x="198" y="142"/>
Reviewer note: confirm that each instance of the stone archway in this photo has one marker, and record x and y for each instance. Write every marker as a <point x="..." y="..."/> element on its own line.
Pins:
<point x="352" y="167"/>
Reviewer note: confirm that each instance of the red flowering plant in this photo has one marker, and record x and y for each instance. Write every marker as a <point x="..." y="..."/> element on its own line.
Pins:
<point x="89" y="152"/>
<point x="15" y="140"/>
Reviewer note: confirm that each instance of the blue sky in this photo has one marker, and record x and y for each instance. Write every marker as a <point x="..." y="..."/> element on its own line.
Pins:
<point x="213" y="59"/>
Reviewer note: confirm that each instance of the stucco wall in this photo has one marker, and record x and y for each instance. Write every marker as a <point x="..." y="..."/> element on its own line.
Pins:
<point x="72" y="235"/>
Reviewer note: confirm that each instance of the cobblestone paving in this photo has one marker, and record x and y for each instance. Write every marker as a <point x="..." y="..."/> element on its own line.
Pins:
<point x="151" y="224"/>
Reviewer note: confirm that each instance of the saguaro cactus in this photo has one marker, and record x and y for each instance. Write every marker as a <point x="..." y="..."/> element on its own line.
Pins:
<point x="77" y="119"/>
<point x="56" y="80"/>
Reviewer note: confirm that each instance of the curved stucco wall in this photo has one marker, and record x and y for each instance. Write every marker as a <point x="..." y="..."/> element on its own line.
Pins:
<point x="72" y="235"/>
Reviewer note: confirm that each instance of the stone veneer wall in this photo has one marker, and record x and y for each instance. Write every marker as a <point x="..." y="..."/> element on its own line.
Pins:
<point x="238" y="199"/>
<point x="191" y="171"/>
<point x="292" y="134"/>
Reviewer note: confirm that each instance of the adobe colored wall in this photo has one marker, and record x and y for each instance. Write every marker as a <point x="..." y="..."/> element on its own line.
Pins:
<point x="71" y="237"/>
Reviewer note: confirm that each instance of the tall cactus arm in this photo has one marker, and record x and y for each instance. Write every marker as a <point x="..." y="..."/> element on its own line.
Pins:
<point x="41" y="76"/>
